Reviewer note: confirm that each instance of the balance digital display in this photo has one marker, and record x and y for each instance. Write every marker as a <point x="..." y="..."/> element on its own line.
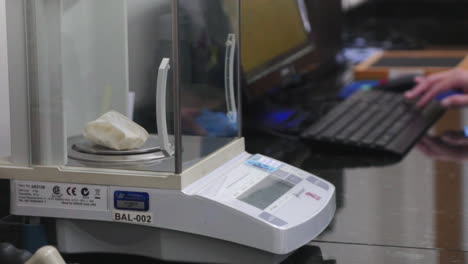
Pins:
<point x="266" y="192"/>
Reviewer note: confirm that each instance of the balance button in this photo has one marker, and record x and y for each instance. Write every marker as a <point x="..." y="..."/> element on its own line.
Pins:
<point x="272" y="219"/>
<point x="278" y="222"/>
<point x="280" y="174"/>
<point x="294" y="179"/>
<point x="312" y="179"/>
<point x="322" y="185"/>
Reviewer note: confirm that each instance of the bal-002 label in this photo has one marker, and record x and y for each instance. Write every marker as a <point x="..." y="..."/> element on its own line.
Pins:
<point x="131" y="217"/>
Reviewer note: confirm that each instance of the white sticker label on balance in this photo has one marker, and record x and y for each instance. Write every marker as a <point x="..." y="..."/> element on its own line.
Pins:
<point x="131" y="217"/>
<point x="264" y="163"/>
<point x="61" y="195"/>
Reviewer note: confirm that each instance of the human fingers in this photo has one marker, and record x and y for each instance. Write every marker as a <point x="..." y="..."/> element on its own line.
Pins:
<point x="419" y="79"/>
<point x="436" y="149"/>
<point x="424" y="83"/>
<point x="455" y="101"/>
<point x="419" y="89"/>
<point x="455" y="138"/>
<point x="422" y="146"/>
<point x="431" y="147"/>
<point x="439" y="87"/>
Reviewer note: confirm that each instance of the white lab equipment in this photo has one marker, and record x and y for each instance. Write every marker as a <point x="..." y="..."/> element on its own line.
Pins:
<point x="191" y="192"/>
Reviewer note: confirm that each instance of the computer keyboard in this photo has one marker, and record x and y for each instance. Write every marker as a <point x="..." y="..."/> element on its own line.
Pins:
<point x="375" y="120"/>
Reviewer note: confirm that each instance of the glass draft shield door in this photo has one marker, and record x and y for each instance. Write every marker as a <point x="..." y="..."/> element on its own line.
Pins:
<point x="208" y="76"/>
<point x="146" y="85"/>
<point x="95" y="71"/>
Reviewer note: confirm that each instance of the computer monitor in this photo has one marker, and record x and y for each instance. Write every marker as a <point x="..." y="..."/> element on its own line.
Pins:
<point x="283" y="39"/>
<point x="275" y="34"/>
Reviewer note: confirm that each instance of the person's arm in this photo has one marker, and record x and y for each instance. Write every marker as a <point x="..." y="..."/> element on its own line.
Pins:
<point x="428" y="88"/>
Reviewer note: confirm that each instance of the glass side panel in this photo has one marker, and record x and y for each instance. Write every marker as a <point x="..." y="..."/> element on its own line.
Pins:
<point x="209" y="70"/>
<point x="87" y="58"/>
<point x="95" y="68"/>
<point x="5" y="138"/>
<point x="112" y="52"/>
<point x="15" y="80"/>
<point x="94" y="59"/>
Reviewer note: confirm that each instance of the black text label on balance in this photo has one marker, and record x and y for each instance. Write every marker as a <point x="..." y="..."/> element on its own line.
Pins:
<point x="133" y="217"/>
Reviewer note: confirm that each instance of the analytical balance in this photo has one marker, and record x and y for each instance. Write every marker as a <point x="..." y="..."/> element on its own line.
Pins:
<point x="191" y="192"/>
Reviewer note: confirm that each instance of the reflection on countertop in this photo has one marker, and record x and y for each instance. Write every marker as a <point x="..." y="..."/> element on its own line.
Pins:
<point x="365" y="254"/>
<point x="309" y="254"/>
<point x="403" y="209"/>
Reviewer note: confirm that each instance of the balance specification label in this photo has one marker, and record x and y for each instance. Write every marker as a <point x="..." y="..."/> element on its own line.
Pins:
<point x="61" y="195"/>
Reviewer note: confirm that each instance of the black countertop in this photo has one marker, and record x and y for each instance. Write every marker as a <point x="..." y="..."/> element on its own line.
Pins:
<point x="408" y="211"/>
<point x="366" y="254"/>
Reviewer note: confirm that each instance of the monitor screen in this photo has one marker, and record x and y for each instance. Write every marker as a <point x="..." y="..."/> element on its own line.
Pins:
<point x="272" y="32"/>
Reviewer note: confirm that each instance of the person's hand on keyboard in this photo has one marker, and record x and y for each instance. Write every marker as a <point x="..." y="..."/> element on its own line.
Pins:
<point x="451" y="146"/>
<point x="428" y="88"/>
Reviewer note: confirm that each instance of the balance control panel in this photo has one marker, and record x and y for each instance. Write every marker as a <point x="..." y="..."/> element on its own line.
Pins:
<point x="270" y="190"/>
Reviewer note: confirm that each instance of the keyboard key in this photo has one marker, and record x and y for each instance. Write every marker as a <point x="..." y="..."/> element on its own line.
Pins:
<point x="378" y="130"/>
<point x="330" y="118"/>
<point x="360" y="121"/>
<point x="368" y="127"/>
<point x="376" y="119"/>
<point x="397" y="127"/>
<point x="385" y="98"/>
<point x="367" y="96"/>
<point x="410" y="135"/>
<point x="431" y="108"/>
<point x="384" y="140"/>
<point x="398" y="101"/>
<point x="375" y="134"/>
<point x="385" y="126"/>
<point x="407" y="117"/>
<point x="344" y="121"/>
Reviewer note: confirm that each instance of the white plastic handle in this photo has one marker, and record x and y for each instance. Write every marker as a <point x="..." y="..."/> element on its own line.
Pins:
<point x="229" y="78"/>
<point x="161" y="89"/>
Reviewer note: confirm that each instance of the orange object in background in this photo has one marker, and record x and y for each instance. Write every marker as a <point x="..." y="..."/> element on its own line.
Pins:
<point x="390" y="64"/>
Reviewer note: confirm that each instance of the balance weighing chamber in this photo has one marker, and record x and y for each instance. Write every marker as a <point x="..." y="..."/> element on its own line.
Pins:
<point x="191" y="192"/>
